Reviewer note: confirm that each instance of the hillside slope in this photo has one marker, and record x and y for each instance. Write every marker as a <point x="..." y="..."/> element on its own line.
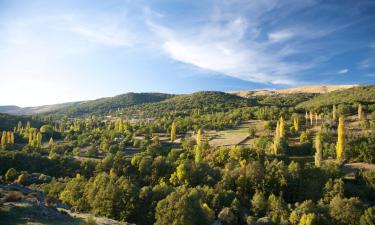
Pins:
<point x="204" y="101"/>
<point x="106" y="105"/>
<point x="318" y="89"/>
<point x="364" y="94"/>
<point x="16" y="110"/>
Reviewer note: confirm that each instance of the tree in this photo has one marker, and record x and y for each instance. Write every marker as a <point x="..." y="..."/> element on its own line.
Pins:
<point x="311" y="118"/>
<point x="259" y="204"/>
<point x="50" y="143"/>
<point x="22" y="178"/>
<point x="318" y="148"/>
<point x="360" y="111"/>
<point x="182" y="207"/>
<point x="199" y="137"/>
<point x="279" y="138"/>
<point x="307" y="119"/>
<point x="296" y="123"/>
<point x="227" y="216"/>
<point x="340" y="145"/>
<point x="12" y="138"/>
<point x="344" y="210"/>
<point x="11" y="175"/>
<point x="309" y="219"/>
<point x="173" y="132"/>
<point x="368" y="217"/>
<point x="3" y="138"/>
<point x="276" y="140"/>
<point x="277" y="209"/>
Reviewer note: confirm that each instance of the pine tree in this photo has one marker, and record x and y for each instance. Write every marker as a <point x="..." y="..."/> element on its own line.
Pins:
<point x="334" y="112"/>
<point x="316" y="119"/>
<point x="360" y="111"/>
<point x="318" y="148"/>
<point x="50" y="143"/>
<point x="311" y="118"/>
<point x="173" y="132"/>
<point x="340" y="146"/>
<point x="307" y="119"/>
<point x="199" y="137"/>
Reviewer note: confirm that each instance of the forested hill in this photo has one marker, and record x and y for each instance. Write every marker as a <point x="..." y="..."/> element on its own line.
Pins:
<point x="110" y="104"/>
<point x="200" y="102"/>
<point x="8" y="122"/>
<point x="362" y="94"/>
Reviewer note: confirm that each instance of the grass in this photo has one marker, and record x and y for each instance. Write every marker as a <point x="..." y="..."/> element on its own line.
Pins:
<point x="234" y="136"/>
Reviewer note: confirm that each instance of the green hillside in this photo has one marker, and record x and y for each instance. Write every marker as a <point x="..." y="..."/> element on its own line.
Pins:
<point x="106" y="105"/>
<point x="202" y="102"/>
<point x="363" y="94"/>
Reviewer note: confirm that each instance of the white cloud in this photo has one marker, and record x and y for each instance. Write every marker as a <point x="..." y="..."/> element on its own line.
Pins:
<point x="343" y="71"/>
<point x="280" y="36"/>
<point x="221" y="47"/>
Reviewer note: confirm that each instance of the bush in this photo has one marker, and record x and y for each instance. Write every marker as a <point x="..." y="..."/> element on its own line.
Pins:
<point x="11" y="175"/>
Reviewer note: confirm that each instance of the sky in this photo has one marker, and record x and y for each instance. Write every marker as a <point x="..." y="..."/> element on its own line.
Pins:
<point x="62" y="51"/>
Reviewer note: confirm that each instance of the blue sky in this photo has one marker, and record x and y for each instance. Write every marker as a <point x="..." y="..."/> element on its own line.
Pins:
<point x="59" y="51"/>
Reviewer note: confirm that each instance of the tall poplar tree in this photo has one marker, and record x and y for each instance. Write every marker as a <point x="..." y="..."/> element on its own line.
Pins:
<point x="199" y="137"/>
<point x="360" y="111"/>
<point x="340" y="146"/>
<point x="3" y="138"/>
<point x="276" y="139"/>
<point x="296" y="123"/>
<point x="173" y="132"/>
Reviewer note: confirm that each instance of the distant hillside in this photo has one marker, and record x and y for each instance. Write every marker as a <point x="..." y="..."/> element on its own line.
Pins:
<point x="16" y="110"/>
<point x="204" y="101"/>
<point x="106" y="105"/>
<point x="296" y="90"/>
<point x="364" y="94"/>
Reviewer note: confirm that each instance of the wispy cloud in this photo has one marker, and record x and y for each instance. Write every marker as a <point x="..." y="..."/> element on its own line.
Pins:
<point x="343" y="71"/>
<point x="280" y="36"/>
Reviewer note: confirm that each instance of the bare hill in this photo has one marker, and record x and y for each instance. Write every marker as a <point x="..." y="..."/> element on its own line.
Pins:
<point x="318" y="89"/>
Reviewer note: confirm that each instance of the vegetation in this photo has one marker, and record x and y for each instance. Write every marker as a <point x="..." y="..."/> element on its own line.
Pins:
<point x="152" y="161"/>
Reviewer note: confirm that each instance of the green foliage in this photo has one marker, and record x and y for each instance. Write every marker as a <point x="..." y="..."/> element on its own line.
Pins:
<point x="364" y="94"/>
<point x="11" y="175"/>
<point x="182" y="207"/>
<point x="368" y="217"/>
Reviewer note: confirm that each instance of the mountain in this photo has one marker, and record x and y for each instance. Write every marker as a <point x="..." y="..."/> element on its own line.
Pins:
<point x="363" y="94"/>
